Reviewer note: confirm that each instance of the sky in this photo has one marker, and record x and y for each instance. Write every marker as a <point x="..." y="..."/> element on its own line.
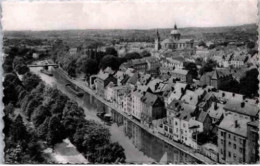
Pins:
<point x="126" y="14"/>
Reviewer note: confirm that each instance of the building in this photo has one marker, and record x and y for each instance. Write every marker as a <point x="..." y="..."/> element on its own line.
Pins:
<point x="252" y="142"/>
<point x="137" y="105"/>
<point x="157" y="40"/>
<point x="216" y="112"/>
<point x="232" y="138"/>
<point x="174" y="42"/>
<point x="218" y="78"/>
<point x="101" y="81"/>
<point x="241" y="110"/>
<point x="139" y="65"/>
<point x="153" y="65"/>
<point x="182" y="75"/>
<point x="153" y="109"/>
<point x="238" y="61"/>
<point x="177" y="91"/>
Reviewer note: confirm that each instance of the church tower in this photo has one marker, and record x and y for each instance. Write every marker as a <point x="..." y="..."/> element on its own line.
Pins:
<point x="157" y="41"/>
<point x="175" y="34"/>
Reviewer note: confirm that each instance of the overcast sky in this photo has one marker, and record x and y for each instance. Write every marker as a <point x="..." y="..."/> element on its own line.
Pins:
<point x="124" y="14"/>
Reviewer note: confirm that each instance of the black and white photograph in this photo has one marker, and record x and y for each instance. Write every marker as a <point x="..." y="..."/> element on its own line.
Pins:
<point x="130" y="82"/>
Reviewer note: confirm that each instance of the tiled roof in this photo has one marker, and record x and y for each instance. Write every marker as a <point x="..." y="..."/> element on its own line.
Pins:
<point x="219" y="73"/>
<point x="186" y="112"/>
<point x="102" y="75"/>
<point x="149" y="98"/>
<point x="247" y="109"/>
<point x="216" y="112"/>
<point x="228" y="124"/>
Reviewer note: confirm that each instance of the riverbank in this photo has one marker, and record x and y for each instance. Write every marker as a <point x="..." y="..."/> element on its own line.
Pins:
<point x="82" y="85"/>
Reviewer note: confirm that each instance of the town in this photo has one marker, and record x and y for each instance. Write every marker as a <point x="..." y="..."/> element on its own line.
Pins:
<point x="201" y="94"/>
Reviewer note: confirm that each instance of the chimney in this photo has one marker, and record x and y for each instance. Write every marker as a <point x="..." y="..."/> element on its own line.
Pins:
<point x="236" y="124"/>
<point x="215" y="105"/>
<point x="243" y="104"/>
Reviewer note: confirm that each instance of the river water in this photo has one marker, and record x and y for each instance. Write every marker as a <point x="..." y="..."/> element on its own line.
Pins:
<point x="139" y="145"/>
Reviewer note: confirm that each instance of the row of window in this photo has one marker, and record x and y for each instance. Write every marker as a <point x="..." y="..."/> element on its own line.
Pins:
<point x="241" y="141"/>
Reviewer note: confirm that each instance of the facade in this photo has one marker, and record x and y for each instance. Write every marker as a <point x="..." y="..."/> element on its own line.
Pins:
<point x="153" y="109"/>
<point x="252" y="142"/>
<point x="101" y="82"/>
<point x="182" y="75"/>
<point x="218" y="78"/>
<point x="232" y="137"/>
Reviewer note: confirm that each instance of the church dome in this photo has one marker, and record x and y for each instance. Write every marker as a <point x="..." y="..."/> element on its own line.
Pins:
<point x="175" y="31"/>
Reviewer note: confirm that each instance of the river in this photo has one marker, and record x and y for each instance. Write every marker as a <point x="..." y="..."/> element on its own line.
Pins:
<point x="139" y="145"/>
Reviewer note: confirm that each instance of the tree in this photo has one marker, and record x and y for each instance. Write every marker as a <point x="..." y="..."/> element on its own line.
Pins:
<point x="56" y="131"/>
<point x="22" y="69"/>
<point x="208" y="66"/>
<point x="109" y="61"/>
<point x="10" y="94"/>
<point x="132" y="55"/>
<point x="87" y="66"/>
<point x="111" y="51"/>
<point x="39" y="115"/>
<point x="192" y="68"/>
<point x="30" y="81"/>
<point x="72" y="68"/>
<point x="9" y="109"/>
<point x="42" y="130"/>
<point x="202" y="44"/>
<point x="19" y="130"/>
<point x="250" y="45"/>
<point x="249" y="84"/>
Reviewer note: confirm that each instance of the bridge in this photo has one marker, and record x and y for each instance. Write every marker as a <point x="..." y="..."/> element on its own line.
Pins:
<point x="44" y="65"/>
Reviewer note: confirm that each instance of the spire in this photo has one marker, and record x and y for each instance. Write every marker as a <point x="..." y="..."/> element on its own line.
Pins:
<point x="175" y="26"/>
<point x="157" y="34"/>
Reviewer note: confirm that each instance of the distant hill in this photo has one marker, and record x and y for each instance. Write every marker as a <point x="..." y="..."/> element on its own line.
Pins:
<point x="197" y="33"/>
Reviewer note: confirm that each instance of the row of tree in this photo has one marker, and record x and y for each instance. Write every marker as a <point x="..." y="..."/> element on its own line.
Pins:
<point x="54" y="117"/>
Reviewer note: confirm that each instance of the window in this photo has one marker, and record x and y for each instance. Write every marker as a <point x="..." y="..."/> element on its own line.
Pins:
<point x="171" y="130"/>
<point x="184" y="125"/>
<point x="185" y="138"/>
<point x="222" y="133"/>
<point x="235" y="138"/>
<point x="235" y="146"/>
<point x="222" y="142"/>
<point x="229" y="154"/>
<point x="229" y="143"/>
<point x="229" y="136"/>
<point x="234" y="156"/>
<point x="176" y="123"/>
<point x="241" y="150"/>
<point x="241" y="141"/>
<point x="221" y="151"/>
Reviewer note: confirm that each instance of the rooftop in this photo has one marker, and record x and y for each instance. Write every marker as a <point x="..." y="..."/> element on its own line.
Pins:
<point x="237" y="126"/>
<point x="245" y="108"/>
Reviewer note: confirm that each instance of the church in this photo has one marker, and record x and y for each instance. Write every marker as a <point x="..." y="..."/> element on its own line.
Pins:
<point x="174" y="42"/>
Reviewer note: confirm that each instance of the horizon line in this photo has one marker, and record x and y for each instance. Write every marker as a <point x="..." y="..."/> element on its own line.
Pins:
<point x="72" y="29"/>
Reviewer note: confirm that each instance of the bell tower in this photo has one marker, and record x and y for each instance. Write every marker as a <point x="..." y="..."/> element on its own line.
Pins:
<point x="157" y="43"/>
